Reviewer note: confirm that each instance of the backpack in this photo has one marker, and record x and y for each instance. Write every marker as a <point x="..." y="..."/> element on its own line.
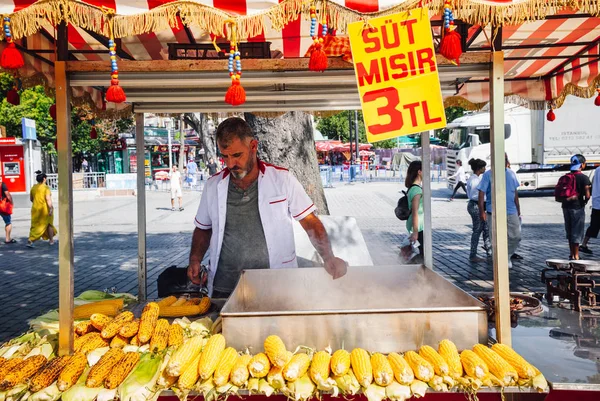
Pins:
<point x="566" y="188"/>
<point x="403" y="210"/>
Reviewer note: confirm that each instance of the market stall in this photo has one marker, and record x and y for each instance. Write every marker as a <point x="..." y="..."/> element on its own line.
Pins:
<point x="164" y="86"/>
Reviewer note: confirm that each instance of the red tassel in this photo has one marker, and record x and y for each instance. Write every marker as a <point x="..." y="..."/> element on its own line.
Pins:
<point x="12" y="97"/>
<point x="53" y="112"/>
<point x="115" y="93"/>
<point x="550" y="116"/>
<point x="236" y="94"/>
<point x="597" y="100"/>
<point x="11" y="58"/>
<point x="451" y="46"/>
<point x="318" y="59"/>
<point x="93" y="133"/>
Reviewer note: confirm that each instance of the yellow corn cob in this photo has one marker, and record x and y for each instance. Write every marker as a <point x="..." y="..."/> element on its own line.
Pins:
<point x="80" y="341"/>
<point x="99" y="320"/>
<point x="361" y="366"/>
<point x="165" y="380"/>
<point x="122" y="370"/>
<point x="135" y="341"/>
<point x="160" y="338"/>
<point x="211" y="355"/>
<point x="2" y="360"/>
<point x="275" y="378"/>
<point x="49" y="373"/>
<point x="9" y="366"/>
<point x="100" y="371"/>
<point x="175" y="335"/>
<point x="276" y="351"/>
<point x="223" y="370"/>
<point x="259" y="365"/>
<point x="204" y="305"/>
<point x="439" y="364"/>
<point x="296" y="367"/>
<point x="184" y="355"/>
<point x="23" y="371"/>
<point x="129" y="329"/>
<point x="170" y="300"/>
<point x="523" y="368"/>
<point x="84" y="327"/>
<point x="117" y="302"/>
<point x="190" y="375"/>
<point x="320" y="367"/>
<point x="89" y="342"/>
<point x="118" y="341"/>
<point x="87" y="310"/>
<point x="112" y="328"/>
<point x="422" y="369"/>
<point x="473" y="365"/>
<point x="193" y="301"/>
<point x="148" y="321"/>
<point x="497" y="366"/>
<point x="239" y="372"/>
<point x="447" y="350"/>
<point x="340" y="362"/>
<point x="71" y="373"/>
<point x="382" y="370"/>
<point x="180" y="311"/>
<point x="180" y="301"/>
<point x="402" y="371"/>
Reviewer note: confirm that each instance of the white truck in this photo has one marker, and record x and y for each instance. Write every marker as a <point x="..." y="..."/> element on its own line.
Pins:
<point x="539" y="150"/>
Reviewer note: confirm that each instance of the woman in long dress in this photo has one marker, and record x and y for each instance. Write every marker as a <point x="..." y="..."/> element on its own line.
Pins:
<point x="42" y="212"/>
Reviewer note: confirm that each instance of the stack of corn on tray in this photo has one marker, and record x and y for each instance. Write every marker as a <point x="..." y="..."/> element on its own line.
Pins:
<point x="137" y="359"/>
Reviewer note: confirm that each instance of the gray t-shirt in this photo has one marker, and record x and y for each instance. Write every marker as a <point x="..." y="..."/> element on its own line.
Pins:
<point x="244" y="245"/>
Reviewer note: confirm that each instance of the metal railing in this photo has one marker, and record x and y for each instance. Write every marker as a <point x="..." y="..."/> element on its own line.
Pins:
<point x="80" y="181"/>
<point x="331" y="175"/>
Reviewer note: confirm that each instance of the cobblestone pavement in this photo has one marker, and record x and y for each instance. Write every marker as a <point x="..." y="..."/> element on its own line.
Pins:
<point x="106" y="244"/>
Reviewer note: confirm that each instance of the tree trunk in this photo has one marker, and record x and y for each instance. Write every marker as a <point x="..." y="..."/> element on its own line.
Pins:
<point x="288" y="141"/>
<point x="199" y="122"/>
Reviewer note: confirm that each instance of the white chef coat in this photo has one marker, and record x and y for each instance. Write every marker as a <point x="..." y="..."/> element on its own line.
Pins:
<point x="281" y="198"/>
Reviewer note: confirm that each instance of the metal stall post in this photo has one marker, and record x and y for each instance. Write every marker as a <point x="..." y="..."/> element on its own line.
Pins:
<point x="141" y="205"/>
<point x="499" y="215"/>
<point x="426" y="172"/>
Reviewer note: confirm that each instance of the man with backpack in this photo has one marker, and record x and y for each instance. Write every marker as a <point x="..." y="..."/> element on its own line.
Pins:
<point x="573" y="191"/>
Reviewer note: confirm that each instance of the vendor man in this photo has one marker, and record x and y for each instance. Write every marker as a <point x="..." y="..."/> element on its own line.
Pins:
<point x="246" y="213"/>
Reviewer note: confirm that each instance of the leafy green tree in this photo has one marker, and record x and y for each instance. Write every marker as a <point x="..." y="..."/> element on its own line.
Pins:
<point x="337" y="127"/>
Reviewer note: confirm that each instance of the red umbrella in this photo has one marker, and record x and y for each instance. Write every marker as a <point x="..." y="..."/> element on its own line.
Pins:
<point x="326" y="146"/>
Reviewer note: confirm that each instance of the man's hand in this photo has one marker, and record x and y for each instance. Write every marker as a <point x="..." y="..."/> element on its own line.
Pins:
<point x="336" y="267"/>
<point x="193" y="273"/>
<point x="414" y="237"/>
<point x="483" y="216"/>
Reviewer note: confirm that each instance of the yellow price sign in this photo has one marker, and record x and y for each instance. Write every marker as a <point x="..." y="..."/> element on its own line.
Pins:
<point x="397" y="75"/>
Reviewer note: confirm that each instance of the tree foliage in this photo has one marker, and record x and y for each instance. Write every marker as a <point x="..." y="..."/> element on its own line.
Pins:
<point x="336" y="127"/>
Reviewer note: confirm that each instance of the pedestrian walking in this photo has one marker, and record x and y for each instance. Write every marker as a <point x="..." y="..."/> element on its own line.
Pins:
<point x="594" y="228"/>
<point x="212" y="167"/>
<point x="42" y="212"/>
<point x="414" y="224"/>
<point x="573" y="191"/>
<point x="192" y="169"/>
<point x="175" y="177"/>
<point x="513" y="208"/>
<point x="480" y="226"/>
<point x="461" y="177"/>
<point x="6" y="207"/>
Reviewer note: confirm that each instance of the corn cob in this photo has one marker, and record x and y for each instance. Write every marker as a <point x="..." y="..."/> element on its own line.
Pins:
<point x="79" y="342"/>
<point x="383" y="373"/>
<point x="100" y="371"/>
<point x="523" y="368"/>
<point x="439" y="364"/>
<point x="211" y="354"/>
<point x="118" y="341"/>
<point x="84" y="327"/>
<point x="116" y="302"/>
<point x="239" y="372"/>
<point x="175" y="335"/>
<point x="122" y="370"/>
<point x="129" y="329"/>
<point x="2" y="360"/>
<point x="184" y="355"/>
<point x="180" y="301"/>
<point x="402" y="371"/>
<point x="193" y="301"/>
<point x="320" y="367"/>
<point x="497" y="366"/>
<point x="422" y="369"/>
<point x="165" y="380"/>
<point x="340" y="362"/>
<point x="190" y="375"/>
<point x="148" y="321"/>
<point x="112" y="328"/>
<point x="170" y="300"/>
<point x="275" y="378"/>
<point x="9" y="366"/>
<point x="71" y="373"/>
<point x="204" y="305"/>
<point x="87" y="310"/>
<point x="23" y="371"/>
<point x="296" y="367"/>
<point x="259" y="365"/>
<point x="179" y="311"/>
<point x="134" y="341"/>
<point x="49" y="373"/>
<point x="99" y="320"/>
<point x="223" y="370"/>
<point x="447" y="350"/>
<point x="473" y="365"/>
<point x="276" y="351"/>
<point x="160" y="338"/>
<point x="361" y="366"/>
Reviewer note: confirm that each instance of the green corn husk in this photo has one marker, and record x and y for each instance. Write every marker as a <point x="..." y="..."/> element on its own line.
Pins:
<point x="449" y="381"/>
<point x="397" y="392"/>
<point x="418" y="388"/>
<point x="139" y="385"/>
<point x="206" y="387"/>
<point x="50" y="393"/>
<point x="303" y="388"/>
<point x="45" y="349"/>
<point x="253" y="385"/>
<point x="540" y="383"/>
<point x="375" y="392"/>
<point x="265" y="388"/>
<point x="348" y="384"/>
<point x="94" y="356"/>
<point x="17" y="392"/>
<point x="2" y="395"/>
<point x="107" y="395"/>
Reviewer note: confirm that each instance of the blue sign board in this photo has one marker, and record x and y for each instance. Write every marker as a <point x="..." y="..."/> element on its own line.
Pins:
<point x="29" y="132"/>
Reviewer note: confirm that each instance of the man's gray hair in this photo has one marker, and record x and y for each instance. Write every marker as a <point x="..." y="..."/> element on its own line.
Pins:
<point x="233" y="127"/>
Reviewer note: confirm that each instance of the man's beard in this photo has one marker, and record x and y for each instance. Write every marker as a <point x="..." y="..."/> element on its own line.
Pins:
<point x="241" y="173"/>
